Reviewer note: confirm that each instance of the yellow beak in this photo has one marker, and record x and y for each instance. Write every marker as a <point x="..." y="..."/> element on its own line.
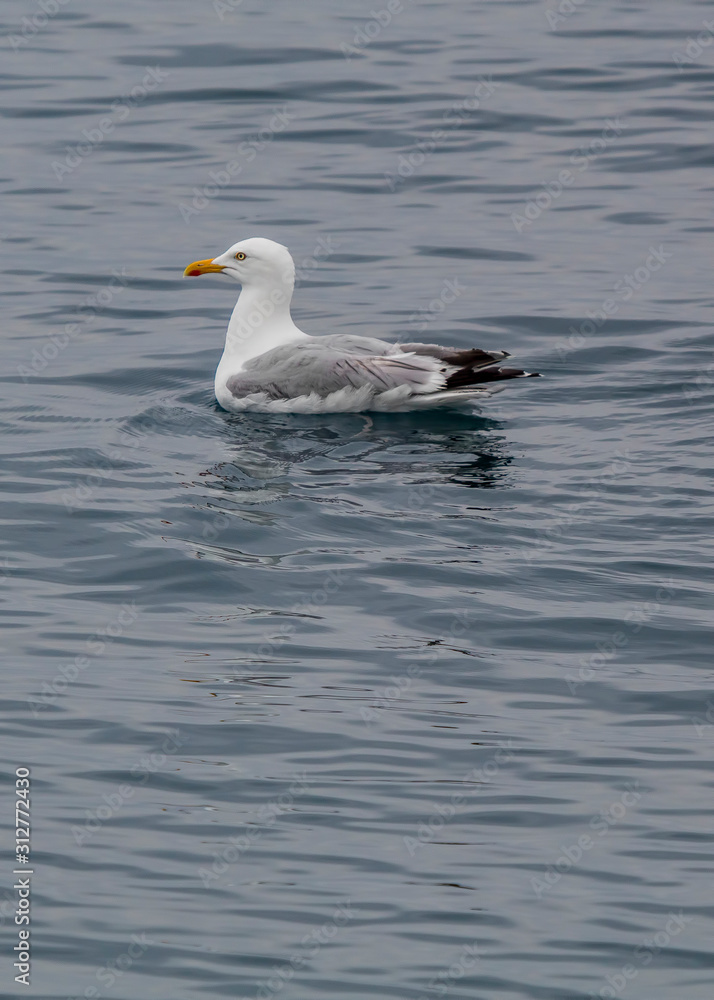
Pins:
<point x="201" y="267"/>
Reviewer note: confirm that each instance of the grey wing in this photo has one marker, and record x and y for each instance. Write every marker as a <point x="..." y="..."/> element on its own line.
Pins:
<point x="459" y="357"/>
<point x="323" y="365"/>
<point x="350" y="343"/>
<point x="384" y="373"/>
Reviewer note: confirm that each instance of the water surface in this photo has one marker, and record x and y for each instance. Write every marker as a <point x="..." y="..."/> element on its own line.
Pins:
<point x="396" y="707"/>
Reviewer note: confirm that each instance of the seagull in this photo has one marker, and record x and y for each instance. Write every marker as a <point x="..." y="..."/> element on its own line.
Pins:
<point x="271" y="366"/>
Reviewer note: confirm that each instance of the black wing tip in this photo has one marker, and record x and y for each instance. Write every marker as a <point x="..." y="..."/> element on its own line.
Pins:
<point x="465" y="377"/>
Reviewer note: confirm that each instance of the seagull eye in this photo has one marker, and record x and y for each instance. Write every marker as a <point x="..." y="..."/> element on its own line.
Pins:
<point x="240" y="256"/>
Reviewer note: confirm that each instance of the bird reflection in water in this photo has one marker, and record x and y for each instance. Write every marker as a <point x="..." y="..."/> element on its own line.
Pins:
<point x="412" y="448"/>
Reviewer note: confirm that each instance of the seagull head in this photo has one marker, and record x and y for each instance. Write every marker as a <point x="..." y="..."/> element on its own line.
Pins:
<point x="253" y="262"/>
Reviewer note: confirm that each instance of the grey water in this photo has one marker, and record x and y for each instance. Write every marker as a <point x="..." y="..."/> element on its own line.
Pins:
<point x="400" y="706"/>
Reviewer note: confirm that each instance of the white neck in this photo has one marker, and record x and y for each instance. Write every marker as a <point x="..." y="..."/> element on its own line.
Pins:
<point x="260" y="321"/>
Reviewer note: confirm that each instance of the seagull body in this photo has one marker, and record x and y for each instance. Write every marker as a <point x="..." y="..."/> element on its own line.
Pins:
<point x="270" y="365"/>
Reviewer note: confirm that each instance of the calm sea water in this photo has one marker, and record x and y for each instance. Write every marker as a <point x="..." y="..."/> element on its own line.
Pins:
<point x="407" y="706"/>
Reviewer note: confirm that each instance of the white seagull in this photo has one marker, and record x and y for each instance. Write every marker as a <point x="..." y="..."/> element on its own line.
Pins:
<point x="269" y="365"/>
